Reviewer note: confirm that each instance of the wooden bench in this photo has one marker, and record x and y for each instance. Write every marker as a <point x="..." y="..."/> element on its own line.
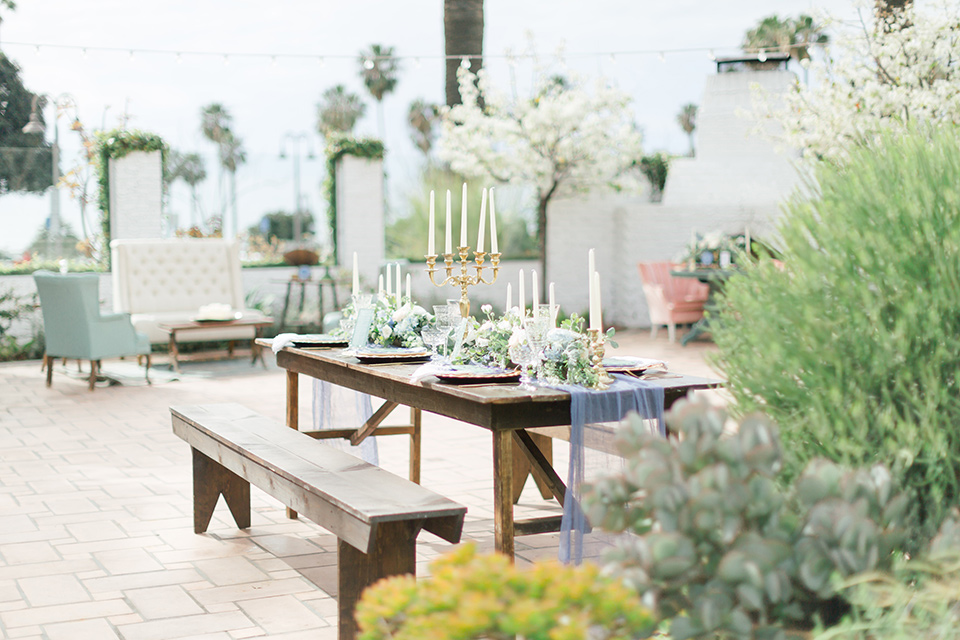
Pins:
<point x="375" y="515"/>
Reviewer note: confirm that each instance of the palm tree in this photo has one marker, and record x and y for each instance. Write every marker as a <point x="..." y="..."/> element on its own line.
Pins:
<point x="379" y="69"/>
<point x="6" y="4"/>
<point x="215" y="123"/>
<point x="232" y="155"/>
<point x="793" y="36"/>
<point x="338" y="111"/>
<point x="421" y="118"/>
<point x="687" y="119"/>
<point x="189" y="168"/>
<point x="462" y="36"/>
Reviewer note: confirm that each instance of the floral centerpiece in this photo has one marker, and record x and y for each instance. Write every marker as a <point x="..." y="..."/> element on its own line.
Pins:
<point x="705" y="250"/>
<point x="395" y="324"/>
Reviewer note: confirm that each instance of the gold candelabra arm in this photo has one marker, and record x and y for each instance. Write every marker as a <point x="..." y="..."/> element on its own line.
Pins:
<point x="598" y="343"/>
<point x="494" y="262"/>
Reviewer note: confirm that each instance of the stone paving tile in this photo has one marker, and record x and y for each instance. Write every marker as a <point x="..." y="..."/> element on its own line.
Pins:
<point x="96" y="506"/>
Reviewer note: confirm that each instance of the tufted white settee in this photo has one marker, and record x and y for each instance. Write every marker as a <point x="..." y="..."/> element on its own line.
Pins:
<point x="167" y="281"/>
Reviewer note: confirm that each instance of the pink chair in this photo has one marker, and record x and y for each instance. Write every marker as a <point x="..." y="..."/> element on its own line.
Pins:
<point x="671" y="300"/>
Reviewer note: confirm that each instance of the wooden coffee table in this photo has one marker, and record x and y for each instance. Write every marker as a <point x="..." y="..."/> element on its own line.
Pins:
<point x="256" y="350"/>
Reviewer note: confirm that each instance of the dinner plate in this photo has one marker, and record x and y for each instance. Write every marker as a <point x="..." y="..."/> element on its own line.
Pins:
<point x="628" y="364"/>
<point x="315" y="340"/>
<point x="381" y="355"/>
<point x="235" y="316"/>
<point x="472" y="374"/>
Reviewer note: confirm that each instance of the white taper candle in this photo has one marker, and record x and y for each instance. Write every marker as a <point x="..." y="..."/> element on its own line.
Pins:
<point x="463" y="217"/>
<point x="535" y="292"/>
<point x="483" y="219"/>
<point x="380" y="286"/>
<point x="596" y="312"/>
<point x="399" y="286"/>
<point x="448" y="246"/>
<point x="356" y="275"/>
<point x="431" y="231"/>
<point x="553" y="307"/>
<point x="523" y="298"/>
<point x="409" y="295"/>
<point x="509" y="298"/>
<point x="389" y="282"/>
<point x="493" y="226"/>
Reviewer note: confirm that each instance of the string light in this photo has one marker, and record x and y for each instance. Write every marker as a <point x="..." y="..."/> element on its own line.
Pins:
<point x="226" y="60"/>
<point x="762" y="56"/>
<point x="369" y="63"/>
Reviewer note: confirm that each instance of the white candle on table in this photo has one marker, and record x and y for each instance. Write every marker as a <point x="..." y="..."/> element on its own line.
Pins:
<point x="463" y="217"/>
<point x="399" y="285"/>
<point x="591" y="269"/>
<point x="483" y="219"/>
<point x="493" y="226"/>
<point x="380" y="286"/>
<point x="448" y="246"/>
<point x="389" y="282"/>
<point x="356" y="275"/>
<point x="553" y="306"/>
<point x="431" y="232"/>
<point x="535" y="293"/>
<point x="596" y="314"/>
<point x="523" y="298"/>
<point x="409" y="295"/>
<point x="509" y="298"/>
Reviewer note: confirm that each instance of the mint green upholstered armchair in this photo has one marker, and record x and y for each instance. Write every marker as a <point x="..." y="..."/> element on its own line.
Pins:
<point x="74" y="327"/>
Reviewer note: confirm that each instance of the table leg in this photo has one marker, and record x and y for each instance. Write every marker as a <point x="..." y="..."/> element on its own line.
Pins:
<point x="286" y="306"/>
<point x="503" y="492"/>
<point x="256" y="351"/>
<point x="174" y="350"/>
<point x="415" y="422"/>
<point x="293" y="412"/>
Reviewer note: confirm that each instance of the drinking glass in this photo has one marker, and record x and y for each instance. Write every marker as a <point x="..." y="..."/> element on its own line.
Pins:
<point x="523" y="354"/>
<point x="536" y="330"/>
<point x="433" y="336"/>
<point x="445" y="320"/>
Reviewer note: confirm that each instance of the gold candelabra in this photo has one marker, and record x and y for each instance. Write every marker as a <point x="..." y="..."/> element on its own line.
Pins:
<point x="463" y="279"/>
<point x="598" y="343"/>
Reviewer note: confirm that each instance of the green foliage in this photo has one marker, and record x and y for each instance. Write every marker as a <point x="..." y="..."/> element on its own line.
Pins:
<point x="279" y="224"/>
<point x="337" y="147"/>
<point x="407" y="236"/>
<point x="790" y="35"/>
<point x="719" y="548"/>
<point x="853" y="346"/>
<point x="469" y="596"/>
<point x="379" y="69"/>
<point x="919" y="601"/>
<point x="654" y="168"/>
<point x="115" y="144"/>
<point x="25" y="158"/>
<point x="15" y="308"/>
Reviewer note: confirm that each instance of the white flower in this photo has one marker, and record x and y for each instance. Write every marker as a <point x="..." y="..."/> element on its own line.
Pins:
<point x="483" y="343"/>
<point x="503" y="325"/>
<point x="486" y="308"/>
<point x="517" y="337"/>
<point x="386" y="332"/>
<point x="400" y="314"/>
<point x="486" y="327"/>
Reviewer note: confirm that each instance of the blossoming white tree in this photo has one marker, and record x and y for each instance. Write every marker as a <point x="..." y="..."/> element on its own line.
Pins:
<point x="885" y="76"/>
<point x="565" y="138"/>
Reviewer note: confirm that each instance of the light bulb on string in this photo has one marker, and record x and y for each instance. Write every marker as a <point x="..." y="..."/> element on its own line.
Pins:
<point x="662" y="56"/>
<point x="762" y="56"/>
<point x="319" y="61"/>
<point x="710" y="55"/>
<point x="613" y="59"/>
<point x="226" y="60"/>
<point x="132" y="57"/>
<point x="417" y="62"/>
<point x="465" y="62"/>
<point x="179" y="58"/>
<point x="37" y="50"/>
<point x="273" y="61"/>
<point x="368" y="64"/>
<point x="84" y="52"/>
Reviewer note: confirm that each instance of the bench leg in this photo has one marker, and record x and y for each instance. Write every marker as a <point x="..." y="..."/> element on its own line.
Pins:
<point x="394" y="553"/>
<point x="210" y="481"/>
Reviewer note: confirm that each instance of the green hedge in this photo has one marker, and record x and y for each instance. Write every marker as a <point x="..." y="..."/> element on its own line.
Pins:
<point x="854" y="346"/>
<point x="336" y="149"/>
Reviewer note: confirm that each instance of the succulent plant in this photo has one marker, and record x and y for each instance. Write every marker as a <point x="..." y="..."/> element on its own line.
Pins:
<point x="719" y="549"/>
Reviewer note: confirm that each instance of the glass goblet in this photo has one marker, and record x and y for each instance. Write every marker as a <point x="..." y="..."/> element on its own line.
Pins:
<point x="522" y="354"/>
<point x="536" y="330"/>
<point x="445" y="320"/>
<point x="433" y="336"/>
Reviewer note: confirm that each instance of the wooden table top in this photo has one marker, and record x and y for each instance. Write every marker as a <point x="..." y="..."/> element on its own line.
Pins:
<point x="197" y="324"/>
<point x="494" y="407"/>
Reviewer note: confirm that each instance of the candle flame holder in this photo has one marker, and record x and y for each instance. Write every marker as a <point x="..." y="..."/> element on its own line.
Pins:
<point x="463" y="279"/>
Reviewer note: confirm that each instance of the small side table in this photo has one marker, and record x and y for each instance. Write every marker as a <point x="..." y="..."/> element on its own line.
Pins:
<point x="325" y="281"/>
<point x="256" y="351"/>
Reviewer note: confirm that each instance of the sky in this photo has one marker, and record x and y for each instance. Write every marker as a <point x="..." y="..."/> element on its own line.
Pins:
<point x="269" y="63"/>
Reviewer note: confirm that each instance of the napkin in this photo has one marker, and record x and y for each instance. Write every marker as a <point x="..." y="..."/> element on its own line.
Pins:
<point x="430" y="369"/>
<point x="283" y="340"/>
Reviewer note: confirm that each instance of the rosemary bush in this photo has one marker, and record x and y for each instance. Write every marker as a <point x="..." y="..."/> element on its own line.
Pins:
<point x="853" y="347"/>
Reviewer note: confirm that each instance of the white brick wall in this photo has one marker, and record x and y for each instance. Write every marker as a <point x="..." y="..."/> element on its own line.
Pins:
<point x="136" y="189"/>
<point x="737" y="180"/>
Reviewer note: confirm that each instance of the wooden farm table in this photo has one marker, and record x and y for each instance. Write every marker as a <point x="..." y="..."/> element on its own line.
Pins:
<point x="506" y="411"/>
